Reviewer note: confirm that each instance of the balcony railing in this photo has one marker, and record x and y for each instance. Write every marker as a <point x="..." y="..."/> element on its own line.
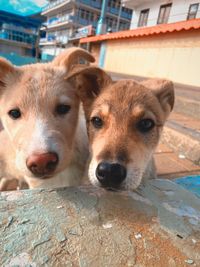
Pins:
<point x="56" y="20"/>
<point x="55" y="39"/>
<point x="115" y="11"/>
<point x="13" y="27"/>
<point x="17" y="36"/>
<point x="90" y="3"/>
<point x="111" y="10"/>
<point x="86" y="22"/>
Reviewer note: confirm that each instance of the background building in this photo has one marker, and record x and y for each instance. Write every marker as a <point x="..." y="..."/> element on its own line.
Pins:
<point x="151" y="13"/>
<point x="19" y="34"/>
<point x="165" y="44"/>
<point x="66" y="17"/>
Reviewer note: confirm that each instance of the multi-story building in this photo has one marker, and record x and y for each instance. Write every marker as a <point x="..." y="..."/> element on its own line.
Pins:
<point x="65" y="17"/>
<point x="151" y="13"/>
<point x="19" y="34"/>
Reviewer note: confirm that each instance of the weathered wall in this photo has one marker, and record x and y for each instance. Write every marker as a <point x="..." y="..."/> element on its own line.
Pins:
<point x="175" y="56"/>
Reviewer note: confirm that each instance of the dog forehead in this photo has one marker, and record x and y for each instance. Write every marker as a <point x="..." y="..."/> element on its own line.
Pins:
<point x="124" y="93"/>
<point x="43" y="76"/>
<point x="45" y="80"/>
<point x="38" y="84"/>
<point x="127" y="97"/>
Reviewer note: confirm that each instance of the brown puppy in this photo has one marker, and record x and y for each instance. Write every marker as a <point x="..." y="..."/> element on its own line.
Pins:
<point x="124" y="121"/>
<point x="42" y="134"/>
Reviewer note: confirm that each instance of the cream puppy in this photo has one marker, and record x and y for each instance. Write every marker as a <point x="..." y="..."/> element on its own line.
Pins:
<point x="43" y="141"/>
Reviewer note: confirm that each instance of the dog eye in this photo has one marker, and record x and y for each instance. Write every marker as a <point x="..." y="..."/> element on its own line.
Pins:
<point x="14" y="114"/>
<point x="97" y="122"/>
<point x="145" y="125"/>
<point x="62" y="109"/>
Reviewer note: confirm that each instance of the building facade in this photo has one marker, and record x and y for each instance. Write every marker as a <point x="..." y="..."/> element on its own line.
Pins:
<point x="151" y="13"/>
<point x="19" y="34"/>
<point x="170" y="51"/>
<point x="66" y="17"/>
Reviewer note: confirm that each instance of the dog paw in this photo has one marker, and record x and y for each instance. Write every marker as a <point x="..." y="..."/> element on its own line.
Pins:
<point x="9" y="184"/>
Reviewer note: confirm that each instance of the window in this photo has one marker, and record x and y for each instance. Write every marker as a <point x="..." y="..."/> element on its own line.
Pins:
<point x="82" y="13"/>
<point x="143" y="18"/>
<point x="91" y="16"/>
<point x="193" y="9"/>
<point x="87" y="15"/>
<point x="164" y="13"/>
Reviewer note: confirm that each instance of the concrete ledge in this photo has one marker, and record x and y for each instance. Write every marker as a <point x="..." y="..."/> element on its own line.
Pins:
<point x="157" y="226"/>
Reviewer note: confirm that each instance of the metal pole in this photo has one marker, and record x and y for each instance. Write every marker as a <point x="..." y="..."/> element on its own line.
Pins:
<point x="101" y="21"/>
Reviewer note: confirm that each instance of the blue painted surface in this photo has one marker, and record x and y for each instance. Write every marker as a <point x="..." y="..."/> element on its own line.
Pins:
<point x="21" y="60"/>
<point x="17" y="59"/>
<point x="191" y="183"/>
<point x="102" y="54"/>
<point x="46" y="57"/>
<point x="22" y="7"/>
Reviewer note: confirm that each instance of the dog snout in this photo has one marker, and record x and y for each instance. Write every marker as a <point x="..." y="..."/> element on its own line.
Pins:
<point x="42" y="164"/>
<point x="110" y="174"/>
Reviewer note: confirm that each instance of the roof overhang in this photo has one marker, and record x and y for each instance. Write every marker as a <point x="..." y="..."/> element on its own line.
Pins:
<point x="146" y="31"/>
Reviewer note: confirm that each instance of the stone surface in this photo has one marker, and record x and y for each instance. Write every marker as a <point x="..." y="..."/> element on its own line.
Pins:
<point x="156" y="226"/>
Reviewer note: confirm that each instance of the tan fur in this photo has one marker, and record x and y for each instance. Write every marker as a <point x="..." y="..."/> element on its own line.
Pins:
<point x="36" y="90"/>
<point x="121" y="105"/>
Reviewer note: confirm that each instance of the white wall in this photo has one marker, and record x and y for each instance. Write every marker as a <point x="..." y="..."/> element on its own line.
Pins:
<point x="179" y="11"/>
<point x="52" y="50"/>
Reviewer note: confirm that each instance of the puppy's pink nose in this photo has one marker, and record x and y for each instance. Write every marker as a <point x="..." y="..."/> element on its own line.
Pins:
<point x="42" y="164"/>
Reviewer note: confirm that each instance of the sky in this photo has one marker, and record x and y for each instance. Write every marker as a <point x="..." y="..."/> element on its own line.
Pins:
<point x="22" y="7"/>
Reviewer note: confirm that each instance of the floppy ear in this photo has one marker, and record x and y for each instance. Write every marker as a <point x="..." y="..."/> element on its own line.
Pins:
<point x="72" y="56"/>
<point x="164" y="91"/>
<point x="5" y="68"/>
<point x="88" y="81"/>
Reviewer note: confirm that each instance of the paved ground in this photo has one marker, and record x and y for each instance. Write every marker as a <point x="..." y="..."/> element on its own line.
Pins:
<point x="186" y="121"/>
<point x="171" y="165"/>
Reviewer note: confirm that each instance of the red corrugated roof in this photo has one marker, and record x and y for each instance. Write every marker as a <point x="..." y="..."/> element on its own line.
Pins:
<point x="158" y="29"/>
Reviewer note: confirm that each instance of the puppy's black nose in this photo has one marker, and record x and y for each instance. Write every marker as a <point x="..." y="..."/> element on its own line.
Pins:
<point x="110" y="174"/>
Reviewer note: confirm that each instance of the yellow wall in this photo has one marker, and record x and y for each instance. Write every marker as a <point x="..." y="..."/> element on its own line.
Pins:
<point x="175" y="56"/>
